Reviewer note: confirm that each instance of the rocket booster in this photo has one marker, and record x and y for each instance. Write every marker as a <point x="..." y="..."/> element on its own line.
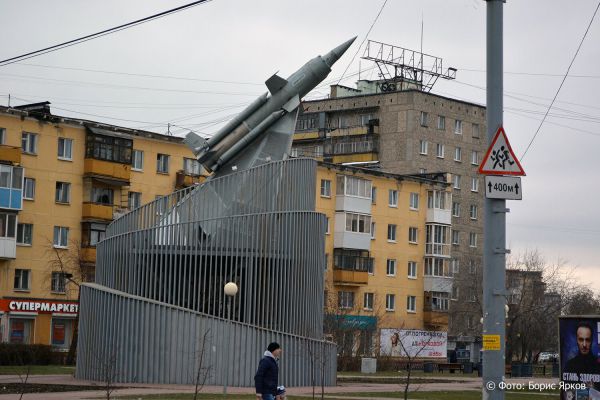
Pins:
<point x="265" y="114"/>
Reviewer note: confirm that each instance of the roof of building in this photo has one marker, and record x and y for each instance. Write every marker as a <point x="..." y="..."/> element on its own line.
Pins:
<point x="41" y="112"/>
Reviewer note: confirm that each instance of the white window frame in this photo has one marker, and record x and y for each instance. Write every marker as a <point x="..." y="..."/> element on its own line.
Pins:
<point x="457" y="154"/>
<point x="393" y="198"/>
<point x="413" y="202"/>
<point x="62" y="188"/>
<point x="191" y="166"/>
<point x="57" y="239"/>
<point x="373" y="195"/>
<point x="21" y="237"/>
<point x="392" y="233"/>
<point x="390" y="302"/>
<point x="350" y="218"/>
<point x="368" y="300"/>
<point x="390" y="267"/>
<point x="137" y="202"/>
<point x="161" y="163"/>
<point x="458" y="127"/>
<point x="456" y="181"/>
<point x="2" y="135"/>
<point x="456" y="209"/>
<point x="25" y="180"/>
<point x="327" y="229"/>
<point x="58" y="283"/>
<point x="413" y="235"/>
<point x="475" y="131"/>
<point x="454" y="294"/>
<point x="439" y="153"/>
<point x="373" y="226"/>
<point x="473" y="211"/>
<point x="474" y="157"/>
<point x="326" y="188"/>
<point x="474" y="184"/>
<point x="472" y="239"/>
<point x="23" y="286"/>
<point x="424" y="118"/>
<point x="441" y="122"/>
<point x="455" y="266"/>
<point x="29" y="140"/>
<point x="345" y="300"/>
<point x="411" y="304"/>
<point x="67" y="144"/>
<point x="137" y="157"/>
<point x="455" y="237"/>
<point x="423" y="147"/>
<point x="412" y="270"/>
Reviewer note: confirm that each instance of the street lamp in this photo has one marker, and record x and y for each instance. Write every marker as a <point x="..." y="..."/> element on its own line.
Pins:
<point x="230" y="289"/>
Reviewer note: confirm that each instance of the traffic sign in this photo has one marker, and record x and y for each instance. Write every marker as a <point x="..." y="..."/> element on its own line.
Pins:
<point x="500" y="159"/>
<point x="503" y="187"/>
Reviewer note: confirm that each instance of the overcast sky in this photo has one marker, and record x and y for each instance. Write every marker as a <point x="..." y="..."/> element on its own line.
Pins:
<point x="223" y="50"/>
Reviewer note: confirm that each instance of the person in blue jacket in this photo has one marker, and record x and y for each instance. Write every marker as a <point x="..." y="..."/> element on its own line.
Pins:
<point x="267" y="373"/>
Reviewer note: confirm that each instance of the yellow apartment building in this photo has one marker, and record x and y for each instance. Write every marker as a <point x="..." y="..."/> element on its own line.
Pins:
<point x="388" y="253"/>
<point x="62" y="180"/>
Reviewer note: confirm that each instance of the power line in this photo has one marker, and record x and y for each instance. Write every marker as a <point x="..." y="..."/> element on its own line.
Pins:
<point x="562" y="82"/>
<point x="534" y="73"/>
<point x="98" y="34"/>
<point x="366" y="36"/>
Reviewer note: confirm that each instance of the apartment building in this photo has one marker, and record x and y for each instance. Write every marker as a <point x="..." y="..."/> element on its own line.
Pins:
<point x="412" y="132"/>
<point x="62" y="181"/>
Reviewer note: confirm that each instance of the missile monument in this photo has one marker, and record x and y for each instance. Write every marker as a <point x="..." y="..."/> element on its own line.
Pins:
<point x="157" y="312"/>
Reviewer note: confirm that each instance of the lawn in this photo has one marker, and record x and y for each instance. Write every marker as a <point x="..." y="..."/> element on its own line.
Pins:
<point x="37" y="370"/>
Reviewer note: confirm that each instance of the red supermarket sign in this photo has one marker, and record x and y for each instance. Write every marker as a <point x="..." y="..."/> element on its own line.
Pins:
<point x="39" y="306"/>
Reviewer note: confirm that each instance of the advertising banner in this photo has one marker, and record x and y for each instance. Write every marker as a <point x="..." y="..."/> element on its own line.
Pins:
<point x="579" y="338"/>
<point x="425" y="344"/>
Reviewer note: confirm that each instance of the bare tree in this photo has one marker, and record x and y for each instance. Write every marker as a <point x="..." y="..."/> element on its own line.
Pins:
<point x="106" y="364"/>
<point x="202" y="372"/>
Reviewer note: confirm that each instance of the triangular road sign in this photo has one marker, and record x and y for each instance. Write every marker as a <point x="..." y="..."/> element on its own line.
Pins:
<point x="500" y="159"/>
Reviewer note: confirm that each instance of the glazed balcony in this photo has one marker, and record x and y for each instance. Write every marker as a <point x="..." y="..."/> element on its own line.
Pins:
<point x="183" y="180"/>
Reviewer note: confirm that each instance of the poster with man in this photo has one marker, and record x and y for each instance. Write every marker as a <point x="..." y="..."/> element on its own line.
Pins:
<point x="579" y="338"/>
<point x="425" y="344"/>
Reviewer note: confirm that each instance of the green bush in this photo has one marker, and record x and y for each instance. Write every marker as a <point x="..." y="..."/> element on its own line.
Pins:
<point x="26" y="354"/>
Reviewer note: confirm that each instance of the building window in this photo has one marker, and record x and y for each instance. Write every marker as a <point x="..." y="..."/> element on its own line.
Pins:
<point x="391" y="267"/>
<point x="411" y="304"/>
<point x="108" y="148"/>
<point x="476" y="130"/>
<point x="365" y="118"/>
<point x="474" y="184"/>
<point x="2" y="135"/>
<point x="393" y="198"/>
<point x="134" y="200"/>
<point x="346" y="299"/>
<point x="358" y="223"/>
<point x="373" y="195"/>
<point x="352" y="186"/>
<point x="455" y="237"/>
<point x="191" y="166"/>
<point x="368" y="301"/>
<point x="102" y="195"/>
<point x="413" y="234"/>
<point x="372" y="230"/>
<point x="472" y="297"/>
<point x="435" y="266"/>
<point x="437" y="241"/>
<point x="62" y="330"/>
<point x="21" y="330"/>
<point x="473" y="211"/>
<point x="390" y="302"/>
<point x="162" y="163"/>
<point x="423" y="144"/>
<point x="29" y="143"/>
<point x="439" y="301"/>
<point x="22" y="279"/>
<point x="424" y="117"/>
<point x="65" y="149"/>
<point x="441" y="122"/>
<point x="24" y="234"/>
<point x="325" y="188"/>
<point x="474" y="158"/>
<point x="63" y="193"/>
<point x="440" y="151"/>
<point x="454" y="292"/>
<point x="458" y="127"/>
<point x="456" y="181"/>
<point x="61" y="236"/>
<point x="412" y="269"/>
<point x="137" y="160"/>
<point x="438" y="199"/>
<point x="391" y="234"/>
<point x="414" y="201"/>
<point x="8" y="225"/>
<point x="59" y="282"/>
<point x="327" y="226"/>
<point x="29" y="189"/>
<point x="455" y="209"/>
<point x="422" y="170"/>
<point x="458" y="154"/>
<point x="92" y="234"/>
<point x="455" y="263"/>
<point x="472" y="239"/>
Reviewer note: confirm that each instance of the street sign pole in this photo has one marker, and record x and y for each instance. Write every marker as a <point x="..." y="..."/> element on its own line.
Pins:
<point x="494" y="230"/>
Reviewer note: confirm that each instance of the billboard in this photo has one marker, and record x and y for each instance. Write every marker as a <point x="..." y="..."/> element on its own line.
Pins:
<point x="426" y="344"/>
<point x="579" y="338"/>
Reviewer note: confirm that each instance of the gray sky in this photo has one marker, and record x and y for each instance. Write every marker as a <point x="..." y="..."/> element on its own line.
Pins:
<point x="241" y="43"/>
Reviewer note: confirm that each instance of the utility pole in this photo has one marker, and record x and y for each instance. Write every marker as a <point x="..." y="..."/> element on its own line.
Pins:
<point x="494" y="231"/>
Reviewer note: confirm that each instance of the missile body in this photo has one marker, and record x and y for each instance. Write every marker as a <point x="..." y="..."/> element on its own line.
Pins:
<point x="275" y="113"/>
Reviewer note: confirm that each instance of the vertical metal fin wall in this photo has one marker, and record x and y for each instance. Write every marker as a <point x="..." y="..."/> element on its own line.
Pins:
<point x="160" y="274"/>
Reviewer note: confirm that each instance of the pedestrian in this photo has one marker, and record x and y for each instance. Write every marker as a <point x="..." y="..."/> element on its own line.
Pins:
<point x="267" y="373"/>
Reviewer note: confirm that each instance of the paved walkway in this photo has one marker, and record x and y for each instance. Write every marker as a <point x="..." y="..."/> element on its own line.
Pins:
<point x="467" y="383"/>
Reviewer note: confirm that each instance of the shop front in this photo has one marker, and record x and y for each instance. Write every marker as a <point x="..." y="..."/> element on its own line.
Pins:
<point x="38" y="321"/>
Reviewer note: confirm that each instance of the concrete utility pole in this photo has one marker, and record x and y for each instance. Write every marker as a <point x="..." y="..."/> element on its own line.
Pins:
<point x="494" y="231"/>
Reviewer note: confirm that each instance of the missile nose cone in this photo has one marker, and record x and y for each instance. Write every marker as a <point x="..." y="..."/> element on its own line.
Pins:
<point x="335" y="54"/>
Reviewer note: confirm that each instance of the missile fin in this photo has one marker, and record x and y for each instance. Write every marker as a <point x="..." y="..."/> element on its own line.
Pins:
<point x="292" y="104"/>
<point x="275" y="83"/>
<point x="195" y="142"/>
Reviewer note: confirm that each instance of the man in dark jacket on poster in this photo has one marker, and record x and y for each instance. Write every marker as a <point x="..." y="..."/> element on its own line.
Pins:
<point x="267" y="374"/>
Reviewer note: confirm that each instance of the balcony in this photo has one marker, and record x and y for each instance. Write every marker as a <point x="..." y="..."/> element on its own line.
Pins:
<point x="119" y="173"/>
<point x="435" y="318"/>
<point x="10" y="154"/>
<point x="355" y="130"/>
<point x="437" y="283"/>
<point x="88" y="255"/>
<point x="104" y="212"/>
<point x="8" y="248"/>
<point x="439" y="216"/>
<point x="347" y="277"/>
<point x="183" y="180"/>
<point x="352" y="240"/>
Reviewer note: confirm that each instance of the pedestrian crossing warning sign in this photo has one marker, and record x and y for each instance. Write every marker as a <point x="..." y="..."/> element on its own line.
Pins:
<point x="500" y="159"/>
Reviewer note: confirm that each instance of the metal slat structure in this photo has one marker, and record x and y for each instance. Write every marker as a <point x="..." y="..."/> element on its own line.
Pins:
<point x="160" y="275"/>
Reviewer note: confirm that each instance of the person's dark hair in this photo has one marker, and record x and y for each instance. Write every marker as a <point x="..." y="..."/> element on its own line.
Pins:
<point x="584" y="325"/>
<point x="273" y="346"/>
